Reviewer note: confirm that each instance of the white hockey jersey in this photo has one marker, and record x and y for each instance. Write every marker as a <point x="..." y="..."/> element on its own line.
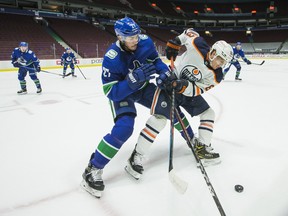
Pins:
<point x="193" y="65"/>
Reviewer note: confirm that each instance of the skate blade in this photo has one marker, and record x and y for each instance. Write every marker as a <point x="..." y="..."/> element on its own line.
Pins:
<point x="210" y="162"/>
<point x="90" y="190"/>
<point x="132" y="172"/>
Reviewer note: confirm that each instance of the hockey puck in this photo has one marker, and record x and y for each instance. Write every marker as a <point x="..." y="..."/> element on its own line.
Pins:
<point x="239" y="188"/>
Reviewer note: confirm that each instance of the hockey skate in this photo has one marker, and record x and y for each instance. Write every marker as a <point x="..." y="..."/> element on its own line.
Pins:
<point x="134" y="165"/>
<point x="22" y="92"/>
<point x="238" y="79"/>
<point x="73" y="75"/>
<point x="205" y="154"/>
<point x="39" y="90"/>
<point x="92" y="180"/>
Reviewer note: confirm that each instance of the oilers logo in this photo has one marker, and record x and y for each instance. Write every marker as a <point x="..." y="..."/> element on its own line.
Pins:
<point x="191" y="73"/>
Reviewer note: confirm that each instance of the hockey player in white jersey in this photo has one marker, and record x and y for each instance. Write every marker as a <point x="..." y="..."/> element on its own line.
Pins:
<point x="197" y="70"/>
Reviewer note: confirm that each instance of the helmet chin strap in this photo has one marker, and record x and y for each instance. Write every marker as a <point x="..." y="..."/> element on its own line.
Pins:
<point x="211" y="59"/>
<point x="124" y="47"/>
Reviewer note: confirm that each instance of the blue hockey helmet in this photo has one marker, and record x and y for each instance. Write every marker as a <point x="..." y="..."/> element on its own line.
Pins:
<point x="23" y="44"/>
<point x="238" y="43"/>
<point x="126" y="27"/>
<point x="68" y="48"/>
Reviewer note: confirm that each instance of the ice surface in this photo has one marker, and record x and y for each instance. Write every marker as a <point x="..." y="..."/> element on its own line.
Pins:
<point x="46" y="141"/>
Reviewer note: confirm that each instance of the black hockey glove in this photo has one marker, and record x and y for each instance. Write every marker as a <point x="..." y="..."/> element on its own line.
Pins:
<point x="180" y="85"/>
<point x="248" y="62"/>
<point x="16" y="64"/>
<point x="75" y="62"/>
<point x="62" y="63"/>
<point x="165" y="79"/>
<point x="138" y="77"/>
<point x="172" y="49"/>
<point x="38" y="68"/>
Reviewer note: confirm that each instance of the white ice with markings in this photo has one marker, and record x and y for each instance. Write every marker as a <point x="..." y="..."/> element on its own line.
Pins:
<point x="46" y="141"/>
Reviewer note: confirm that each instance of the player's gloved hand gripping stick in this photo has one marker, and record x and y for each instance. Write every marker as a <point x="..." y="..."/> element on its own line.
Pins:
<point x="140" y="75"/>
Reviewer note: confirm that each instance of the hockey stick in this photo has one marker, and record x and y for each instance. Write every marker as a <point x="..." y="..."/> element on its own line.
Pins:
<point x="200" y="165"/>
<point x="68" y="74"/>
<point x="80" y="71"/>
<point x="178" y="183"/>
<point x="255" y="62"/>
<point x="28" y="68"/>
<point x="50" y="72"/>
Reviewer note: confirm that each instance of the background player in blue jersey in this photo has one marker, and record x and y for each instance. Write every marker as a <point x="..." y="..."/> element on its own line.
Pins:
<point x="26" y="61"/>
<point x="68" y="58"/>
<point x="127" y="67"/>
<point x="238" y="53"/>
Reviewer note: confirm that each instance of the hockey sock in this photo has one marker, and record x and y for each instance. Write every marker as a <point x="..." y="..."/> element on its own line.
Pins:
<point x="206" y="126"/>
<point x="23" y="84"/>
<point x="112" y="142"/>
<point x="148" y="134"/>
<point x="177" y="125"/>
<point x="37" y="83"/>
<point x="237" y="73"/>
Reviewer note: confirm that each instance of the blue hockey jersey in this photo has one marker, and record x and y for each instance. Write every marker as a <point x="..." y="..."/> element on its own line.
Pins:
<point x="117" y="63"/>
<point x="238" y="54"/>
<point x="27" y="58"/>
<point x="68" y="57"/>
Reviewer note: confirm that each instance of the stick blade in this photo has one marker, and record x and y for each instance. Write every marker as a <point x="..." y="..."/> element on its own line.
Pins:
<point x="179" y="184"/>
<point x="262" y="62"/>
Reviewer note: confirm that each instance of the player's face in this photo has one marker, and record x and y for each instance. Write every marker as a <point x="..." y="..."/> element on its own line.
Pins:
<point x="23" y="48"/>
<point x="68" y="51"/>
<point x="238" y="47"/>
<point x="218" y="62"/>
<point x="131" y="42"/>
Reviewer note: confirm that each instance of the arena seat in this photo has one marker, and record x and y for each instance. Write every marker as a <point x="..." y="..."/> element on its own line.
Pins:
<point x="23" y="28"/>
<point x="83" y="37"/>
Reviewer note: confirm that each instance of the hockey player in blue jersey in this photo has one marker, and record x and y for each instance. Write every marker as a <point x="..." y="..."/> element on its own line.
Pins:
<point x="127" y="67"/>
<point x="238" y="53"/>
<point x="26" y="61"/>
<point x="68" y="58"/>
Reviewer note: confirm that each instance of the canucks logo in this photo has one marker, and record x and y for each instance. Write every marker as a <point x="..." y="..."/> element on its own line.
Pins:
<point x="21" y="61"/>
<point x="143" y="37"/>
<point x="111" y="54"/>
<point x="136" y="64"/>
<point x="236" y="56"/>
<point x="68" y="59"/>
<point x="191" y="73"/>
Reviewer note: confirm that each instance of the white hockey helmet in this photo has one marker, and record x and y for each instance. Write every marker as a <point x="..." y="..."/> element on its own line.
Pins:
<point x="223" y="49"/>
